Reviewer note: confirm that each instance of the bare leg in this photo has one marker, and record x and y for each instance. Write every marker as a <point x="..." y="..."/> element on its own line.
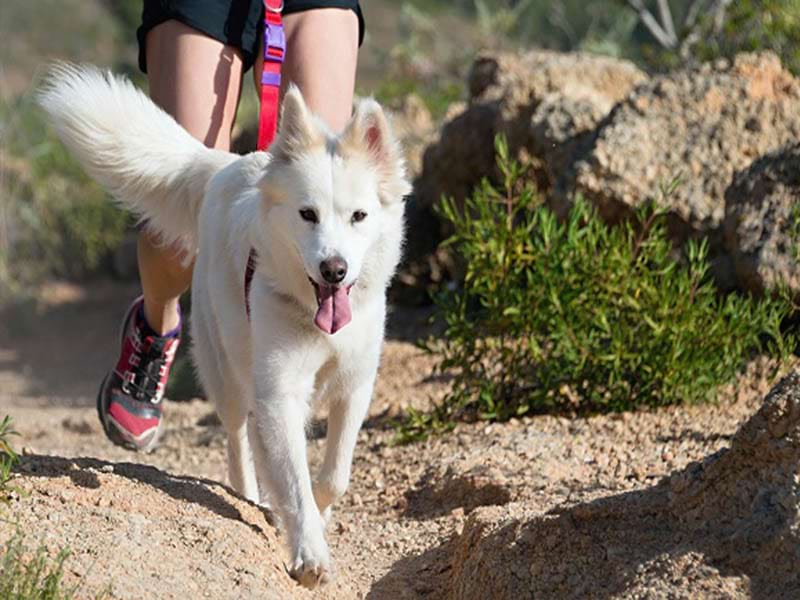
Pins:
<point x="197" y="80"/>
<point x="321" y="58"/>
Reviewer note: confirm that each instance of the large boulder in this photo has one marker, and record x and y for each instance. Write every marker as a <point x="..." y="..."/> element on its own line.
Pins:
<point x="545" y="103"/>
<point x="413" y="125"/>
<point x="702" y="125"/>
<point x="736" y="514"/>
<point x="134" y="531"/>
<point x="762" y="216"/>
<point x="537" y="100"/>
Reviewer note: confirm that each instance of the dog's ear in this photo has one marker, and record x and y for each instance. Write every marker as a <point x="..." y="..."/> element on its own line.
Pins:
<point x="297" y="131"/>
<point x="370" y="133"/>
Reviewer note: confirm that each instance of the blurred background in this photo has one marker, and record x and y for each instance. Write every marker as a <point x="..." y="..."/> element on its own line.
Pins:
<point x="68" y="255"/>
<point x="55" y="223"/>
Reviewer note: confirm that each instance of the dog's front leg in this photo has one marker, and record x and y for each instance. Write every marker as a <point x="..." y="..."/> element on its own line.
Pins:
<point x="280" y="417"/>
<point x="347" y="412"/>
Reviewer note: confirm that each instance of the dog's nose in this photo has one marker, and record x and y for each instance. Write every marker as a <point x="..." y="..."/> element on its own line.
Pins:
<point x="333" y="269"/>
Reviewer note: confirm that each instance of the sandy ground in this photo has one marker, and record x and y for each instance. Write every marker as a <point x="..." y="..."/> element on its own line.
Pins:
<point x="163" y="525"/>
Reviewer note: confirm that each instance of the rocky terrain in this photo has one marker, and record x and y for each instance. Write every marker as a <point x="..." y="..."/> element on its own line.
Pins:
<point x="681" y="502"/>
<point x="761" y="215"/>
<point x="599" y="127"/>
<point x="673" y="503"/>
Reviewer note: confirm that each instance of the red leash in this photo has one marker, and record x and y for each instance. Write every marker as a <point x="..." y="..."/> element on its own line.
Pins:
<point x="274" y="52"/>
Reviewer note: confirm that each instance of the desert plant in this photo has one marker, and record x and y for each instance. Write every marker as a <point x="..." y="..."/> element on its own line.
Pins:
<point x="750" y="25"/>
<point x="53" y="219"/>
<point x="8" y="458"/>
<point x="680" y="32"/>
<point x="32" y="576"/>
<point x="579" y="315"/>
<point x="21" y="576"/>
<point x="659" y="34"/>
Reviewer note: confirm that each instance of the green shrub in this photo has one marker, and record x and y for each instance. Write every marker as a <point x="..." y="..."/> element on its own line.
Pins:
<point x="754" y="25"/>
<point x="32" y="574"/>
<point x="578" y="315"/>
<point x="53" y="219"/>
<point x="26" y="575"/>
<point x="8" y="458"/>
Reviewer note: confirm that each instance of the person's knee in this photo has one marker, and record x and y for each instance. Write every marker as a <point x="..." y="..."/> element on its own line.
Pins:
<point x="321" y="58"/>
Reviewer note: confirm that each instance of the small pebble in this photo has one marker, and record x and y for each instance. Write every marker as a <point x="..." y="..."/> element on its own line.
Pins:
<point x="342" y="527"/>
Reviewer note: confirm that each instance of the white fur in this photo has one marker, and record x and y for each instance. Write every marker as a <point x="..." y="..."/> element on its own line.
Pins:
<point x="263" y="374"/>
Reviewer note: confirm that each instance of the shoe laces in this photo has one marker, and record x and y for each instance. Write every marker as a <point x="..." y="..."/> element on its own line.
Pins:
<point x="148" y="363"/>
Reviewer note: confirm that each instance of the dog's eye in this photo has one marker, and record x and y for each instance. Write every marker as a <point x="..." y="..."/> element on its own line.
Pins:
<point x="359" y="216"/>
<point x="309" y="214"/>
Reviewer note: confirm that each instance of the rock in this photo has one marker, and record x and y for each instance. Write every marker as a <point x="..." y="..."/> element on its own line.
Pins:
<point x="197" y="537"/>
<point x="736" y="514"/>
<point x="545" y="103"/>
<point x="459" y="485"/>
<point x="413" y="125"/>
<point x="760" y="211"/>
<point x="536" y="99"/>
<point x="702" y="124"/>
<point x="748" y="498"/>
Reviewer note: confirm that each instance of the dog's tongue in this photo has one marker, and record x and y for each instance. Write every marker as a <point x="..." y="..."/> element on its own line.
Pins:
<point x="334" y="308"/>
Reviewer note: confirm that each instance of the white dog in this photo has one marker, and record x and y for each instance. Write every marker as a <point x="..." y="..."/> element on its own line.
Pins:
<point x="324" y="214"/>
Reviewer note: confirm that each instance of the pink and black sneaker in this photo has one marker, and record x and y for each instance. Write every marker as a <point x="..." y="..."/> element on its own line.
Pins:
<point x="129" y="402"/>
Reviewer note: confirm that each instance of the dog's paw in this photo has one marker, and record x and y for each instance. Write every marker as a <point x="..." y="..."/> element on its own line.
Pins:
<point x="311" y="564"/>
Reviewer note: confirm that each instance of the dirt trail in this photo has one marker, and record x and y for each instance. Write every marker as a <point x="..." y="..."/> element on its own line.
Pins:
<point x="161" y="525"/>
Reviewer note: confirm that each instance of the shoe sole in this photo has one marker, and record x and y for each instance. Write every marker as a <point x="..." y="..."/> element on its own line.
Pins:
<point x="118" y="435"/>
<point x="115" y="433"/>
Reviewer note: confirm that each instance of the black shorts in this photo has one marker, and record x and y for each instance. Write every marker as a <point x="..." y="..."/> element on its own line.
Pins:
<point x="236" y="23"/>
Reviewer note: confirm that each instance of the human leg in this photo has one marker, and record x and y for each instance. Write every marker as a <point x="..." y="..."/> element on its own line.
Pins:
<point x="196" y="79"/>
<point x="321" y="59"/>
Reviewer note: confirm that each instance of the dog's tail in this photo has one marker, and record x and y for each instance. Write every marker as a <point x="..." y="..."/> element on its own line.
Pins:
<point x="148" y="162"/>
